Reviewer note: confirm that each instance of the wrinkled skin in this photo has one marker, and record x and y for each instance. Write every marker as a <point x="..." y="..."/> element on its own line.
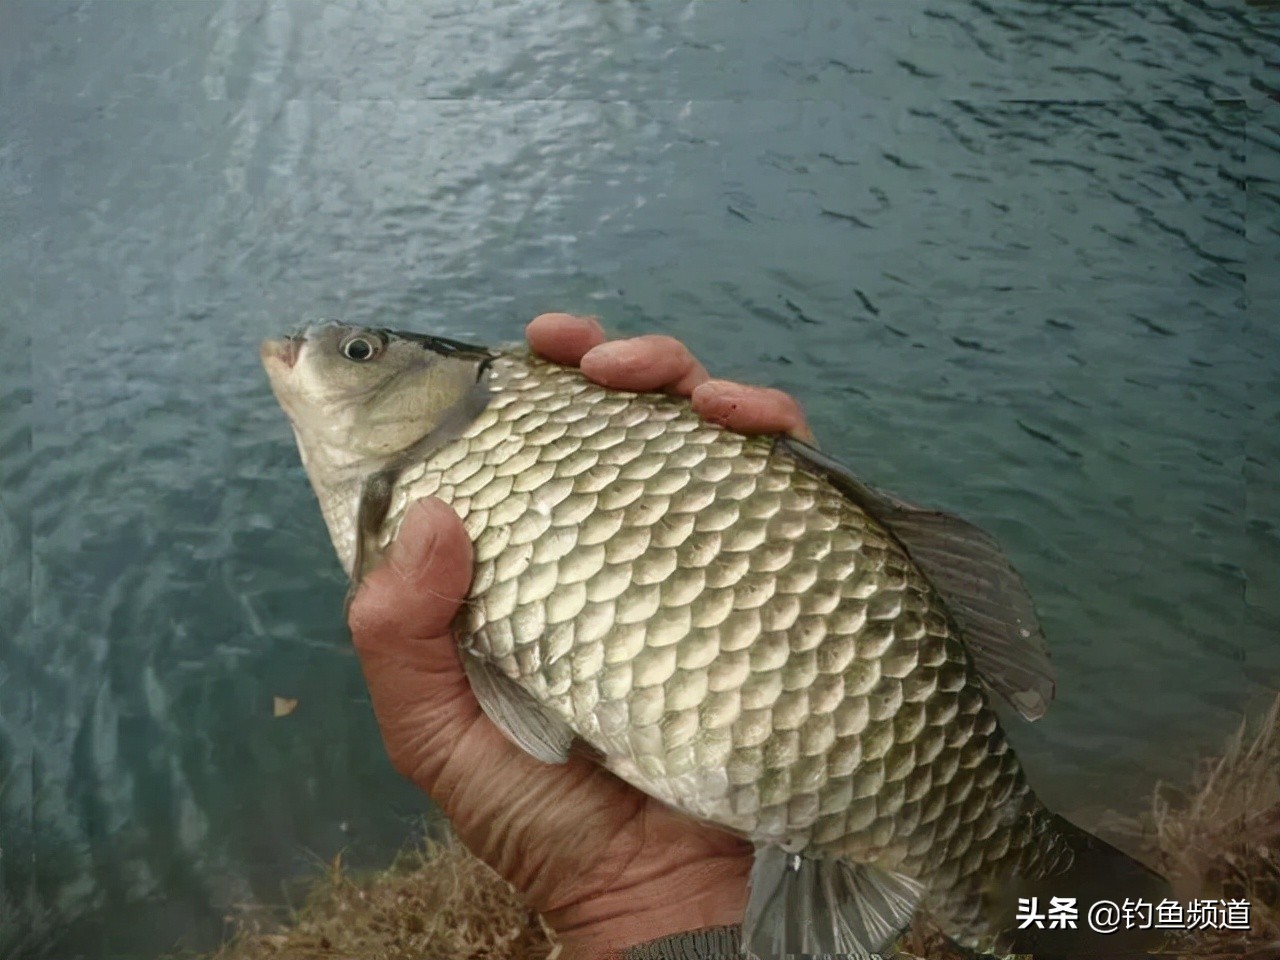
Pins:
<point x="607" y="865"/>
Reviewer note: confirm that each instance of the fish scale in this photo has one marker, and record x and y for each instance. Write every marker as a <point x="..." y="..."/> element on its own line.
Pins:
<point x="826" y="717"/>
<point x="738" y="626"/>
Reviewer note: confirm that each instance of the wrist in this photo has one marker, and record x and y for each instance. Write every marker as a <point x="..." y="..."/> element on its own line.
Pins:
<point x="712" y="893"/>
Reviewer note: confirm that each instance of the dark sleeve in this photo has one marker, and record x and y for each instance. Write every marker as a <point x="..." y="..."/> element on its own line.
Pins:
<point x="711" y="943"/>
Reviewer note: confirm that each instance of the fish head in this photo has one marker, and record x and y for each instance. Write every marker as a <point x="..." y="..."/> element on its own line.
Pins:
<point x="363" y="399"/>
<point x="368" y="393"/>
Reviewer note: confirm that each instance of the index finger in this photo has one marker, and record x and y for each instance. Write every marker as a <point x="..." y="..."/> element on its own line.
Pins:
<point x="658" y="362"/>
<point x="562" y="337"/>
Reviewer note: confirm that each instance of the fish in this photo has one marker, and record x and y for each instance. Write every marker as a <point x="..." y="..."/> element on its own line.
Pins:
<point x="736" y="625"/>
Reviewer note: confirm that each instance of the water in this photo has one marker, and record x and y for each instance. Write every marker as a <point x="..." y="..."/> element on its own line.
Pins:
<point x="1018" y="259"/>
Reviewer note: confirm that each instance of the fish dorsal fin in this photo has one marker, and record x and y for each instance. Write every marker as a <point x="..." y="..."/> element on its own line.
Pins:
<point x="986" y="598"/>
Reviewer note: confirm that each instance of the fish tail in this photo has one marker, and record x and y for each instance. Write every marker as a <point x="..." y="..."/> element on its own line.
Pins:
<point x="1094" y="873"/>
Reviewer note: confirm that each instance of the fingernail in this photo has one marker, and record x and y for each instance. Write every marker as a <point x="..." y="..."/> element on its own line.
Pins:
<point x="415" y="542"/>
<point x="602" y="362"/>
<point x="716" y="395"/>
<point x="614" y="352"/>
<point x="729" y="388"/>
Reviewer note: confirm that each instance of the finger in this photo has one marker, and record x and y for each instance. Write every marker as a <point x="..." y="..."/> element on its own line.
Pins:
<point x="653" y="362"/>
<point x="417" y="591"/>
<point x="750" y="409"/>
<point x="562" y="337"/>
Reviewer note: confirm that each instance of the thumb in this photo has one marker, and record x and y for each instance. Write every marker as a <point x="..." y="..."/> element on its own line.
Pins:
<point x="400" y="620"/>
<point x="417" y="591"/>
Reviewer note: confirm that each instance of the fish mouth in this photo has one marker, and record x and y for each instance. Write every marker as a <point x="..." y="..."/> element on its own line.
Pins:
<point x="284" y="352"/>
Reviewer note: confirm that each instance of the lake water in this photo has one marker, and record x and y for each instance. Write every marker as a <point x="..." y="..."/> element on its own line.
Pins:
<point x="1019" y="259"/>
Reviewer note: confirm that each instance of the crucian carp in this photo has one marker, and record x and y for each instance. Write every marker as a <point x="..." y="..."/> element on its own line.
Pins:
<point x="735" y="625"/>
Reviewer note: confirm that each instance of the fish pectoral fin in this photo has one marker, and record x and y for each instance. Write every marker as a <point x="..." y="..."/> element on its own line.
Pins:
<point x="371" y="511"/>
<point x="983" y="593"/>
<point x="514" y="711"/>
<point x="808" y="905"/>
<point x="375" y="500"/>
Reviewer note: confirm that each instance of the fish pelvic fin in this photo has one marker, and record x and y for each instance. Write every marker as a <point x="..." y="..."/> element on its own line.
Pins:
<point x="525" y="722"/>
<point x="824" y="906"/>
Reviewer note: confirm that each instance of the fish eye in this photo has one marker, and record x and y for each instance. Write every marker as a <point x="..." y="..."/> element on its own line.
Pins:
<point x="361" y="347"/>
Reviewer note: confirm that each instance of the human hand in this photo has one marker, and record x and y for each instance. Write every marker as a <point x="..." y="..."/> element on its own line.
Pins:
<point x="606" y="865"/>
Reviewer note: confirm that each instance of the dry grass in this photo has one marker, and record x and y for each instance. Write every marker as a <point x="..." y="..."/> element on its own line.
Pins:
<point x="1219" y="839"/>
<point x="435" y="901"/>
<point x="1222" y="839"/>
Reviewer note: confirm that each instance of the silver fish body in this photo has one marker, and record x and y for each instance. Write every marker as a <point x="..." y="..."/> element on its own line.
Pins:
<point x="742" y="632"/>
